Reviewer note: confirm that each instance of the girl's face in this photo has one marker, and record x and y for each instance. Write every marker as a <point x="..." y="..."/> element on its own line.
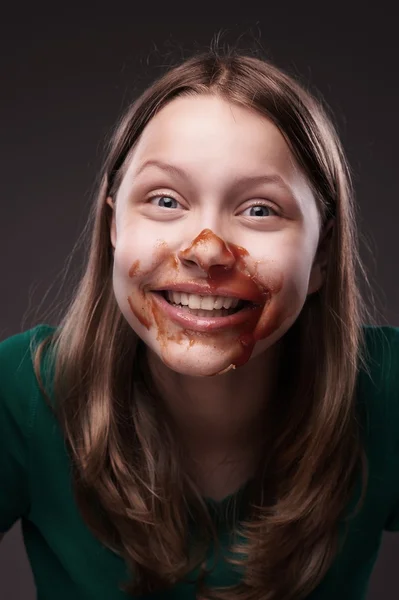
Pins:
<point x="215" y="233"/>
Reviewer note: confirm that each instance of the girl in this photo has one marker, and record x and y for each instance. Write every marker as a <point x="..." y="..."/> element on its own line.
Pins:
<point x="212" y="418"/>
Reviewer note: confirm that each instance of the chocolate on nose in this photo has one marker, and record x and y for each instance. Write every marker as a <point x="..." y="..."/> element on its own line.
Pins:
<point x="208" y="250"/>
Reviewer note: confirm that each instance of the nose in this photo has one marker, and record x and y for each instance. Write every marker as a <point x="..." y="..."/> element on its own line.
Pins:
<point x="207" y="250"/>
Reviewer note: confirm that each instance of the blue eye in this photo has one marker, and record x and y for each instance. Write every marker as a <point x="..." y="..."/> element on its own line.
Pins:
<point x="260" y="210"/>
<point x="165" y="201"/>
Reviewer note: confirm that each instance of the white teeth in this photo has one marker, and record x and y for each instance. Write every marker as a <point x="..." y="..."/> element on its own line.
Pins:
<point x="227" y="302"/>
<point x="196" y="302"/>
<point x="184" y="299"/>
<point x="218" y="303"/>
<point x="207" y="303"/>
<point x="175" y="297"/>
<point x="206" y="313"/>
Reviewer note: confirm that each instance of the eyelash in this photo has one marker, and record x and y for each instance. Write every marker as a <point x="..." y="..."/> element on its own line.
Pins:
<point x="276" y="212"/>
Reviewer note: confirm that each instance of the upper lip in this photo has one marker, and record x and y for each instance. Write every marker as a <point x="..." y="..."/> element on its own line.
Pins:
<point x="206" y="290"/>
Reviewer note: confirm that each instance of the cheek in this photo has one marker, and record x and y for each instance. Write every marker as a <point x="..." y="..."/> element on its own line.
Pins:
<point x="290" y="258"/>
<point x="286" y="274"/>
<point x="138" y="257"/>
<point x="133" y="244"/>
<point x="133" y="255"/>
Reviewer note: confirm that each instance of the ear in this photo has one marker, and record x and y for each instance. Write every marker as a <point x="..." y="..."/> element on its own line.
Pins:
<point x="318" y="272"/>
<point x="112" y="223"/>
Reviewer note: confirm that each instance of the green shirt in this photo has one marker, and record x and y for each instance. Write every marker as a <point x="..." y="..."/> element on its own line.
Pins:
<point x="69" y="562"/>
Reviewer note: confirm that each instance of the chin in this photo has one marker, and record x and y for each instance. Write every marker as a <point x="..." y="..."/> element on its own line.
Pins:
<point x="189" y="363"/>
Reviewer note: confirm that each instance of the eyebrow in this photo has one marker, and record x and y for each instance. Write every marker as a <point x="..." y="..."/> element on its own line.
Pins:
<point x="238" y="181"/>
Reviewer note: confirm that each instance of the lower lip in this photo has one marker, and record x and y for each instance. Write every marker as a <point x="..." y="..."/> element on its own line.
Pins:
<point x="189" y="321"/>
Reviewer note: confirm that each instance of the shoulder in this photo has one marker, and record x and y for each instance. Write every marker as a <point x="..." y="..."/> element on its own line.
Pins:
<point x="383" y="343"/>
<point x="378" y="390"/>
<point x="14" y="349"/>
<point x="18" y="383"/>
<point x="380" y="368"/>
<point x="379" y="400"/>
<point x="19" y="402"/>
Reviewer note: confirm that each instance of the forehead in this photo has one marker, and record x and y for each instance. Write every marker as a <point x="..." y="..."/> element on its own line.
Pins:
<point x="215" y="143"/>
<point x="207" y="130"/>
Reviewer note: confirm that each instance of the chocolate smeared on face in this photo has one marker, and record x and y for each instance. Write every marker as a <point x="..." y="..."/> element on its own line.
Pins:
<point x="134" y="269"/>
<point x="207" y="243"/>
<point x="139" y="313"/>
<point x="230" y="271"/>
<point x="272" y="270"/>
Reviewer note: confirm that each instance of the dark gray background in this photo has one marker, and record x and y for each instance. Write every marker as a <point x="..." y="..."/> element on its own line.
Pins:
<point x="67" y="75"/>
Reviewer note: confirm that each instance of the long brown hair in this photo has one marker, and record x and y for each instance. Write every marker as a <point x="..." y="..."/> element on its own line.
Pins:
<point x="129" y="479"/>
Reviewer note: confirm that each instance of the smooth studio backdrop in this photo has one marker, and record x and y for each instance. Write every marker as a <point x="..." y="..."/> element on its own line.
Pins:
<point x="67" y="74"/>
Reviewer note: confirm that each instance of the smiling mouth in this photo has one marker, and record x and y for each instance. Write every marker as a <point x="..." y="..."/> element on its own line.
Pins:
<point x="205" y="306"/>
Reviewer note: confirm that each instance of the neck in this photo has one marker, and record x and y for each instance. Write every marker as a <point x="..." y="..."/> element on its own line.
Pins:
<point x="220" y="415"/>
